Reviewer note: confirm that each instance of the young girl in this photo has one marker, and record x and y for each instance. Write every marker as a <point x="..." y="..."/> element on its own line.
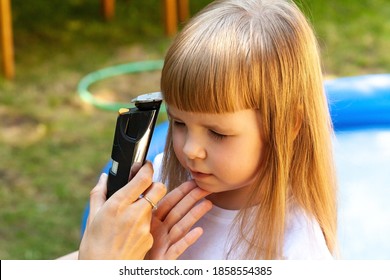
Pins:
<point x="249" y="123"/>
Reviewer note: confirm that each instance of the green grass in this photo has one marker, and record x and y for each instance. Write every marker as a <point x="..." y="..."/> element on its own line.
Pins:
<point x="354" y="35"/>
<point x="52" y="145"/>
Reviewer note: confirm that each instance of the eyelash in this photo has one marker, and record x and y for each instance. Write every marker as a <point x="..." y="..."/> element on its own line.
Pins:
<point x="215" y="135"/>
<point x="177" y="123"/>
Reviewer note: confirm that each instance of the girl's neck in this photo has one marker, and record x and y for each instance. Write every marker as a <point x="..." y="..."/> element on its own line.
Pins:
<point x="231" y="200"/>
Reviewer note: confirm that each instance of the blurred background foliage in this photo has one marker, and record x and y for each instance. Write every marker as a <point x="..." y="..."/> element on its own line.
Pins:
<point x="53" y="145"/>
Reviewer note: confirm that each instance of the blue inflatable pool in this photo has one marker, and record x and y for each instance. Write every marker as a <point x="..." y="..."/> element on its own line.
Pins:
<point x="359" y="102"/>
<point x="360" y="110"/>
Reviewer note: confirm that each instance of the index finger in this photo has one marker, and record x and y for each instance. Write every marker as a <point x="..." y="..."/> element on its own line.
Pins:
<point x="136" y="186"/>
<point x="176" y="196"/>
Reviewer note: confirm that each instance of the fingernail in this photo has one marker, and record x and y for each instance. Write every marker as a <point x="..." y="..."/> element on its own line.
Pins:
<point x="103" y="176"/>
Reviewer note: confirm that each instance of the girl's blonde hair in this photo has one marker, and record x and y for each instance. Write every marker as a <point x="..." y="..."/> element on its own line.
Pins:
<point x="263" y="55"/>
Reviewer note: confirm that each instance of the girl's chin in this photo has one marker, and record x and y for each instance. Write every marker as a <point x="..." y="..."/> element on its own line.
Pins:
<point x="205" y="187"/>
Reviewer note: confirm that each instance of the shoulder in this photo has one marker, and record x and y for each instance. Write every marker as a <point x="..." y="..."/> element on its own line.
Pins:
<point x="303" y="237"/>
<point x="157" y="166"/>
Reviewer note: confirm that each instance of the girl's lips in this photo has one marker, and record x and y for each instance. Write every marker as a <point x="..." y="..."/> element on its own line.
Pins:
<point x="199" y="175"/>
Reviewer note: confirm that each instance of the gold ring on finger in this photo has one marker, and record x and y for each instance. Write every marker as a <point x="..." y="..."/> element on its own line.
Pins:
<point x="154" y="206"/>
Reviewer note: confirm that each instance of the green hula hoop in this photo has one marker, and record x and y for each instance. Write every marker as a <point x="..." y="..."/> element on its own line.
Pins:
<point x="128" y="68"/>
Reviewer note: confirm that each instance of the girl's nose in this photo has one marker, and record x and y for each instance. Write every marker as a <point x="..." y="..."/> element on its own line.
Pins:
<point x="193" y="149"/>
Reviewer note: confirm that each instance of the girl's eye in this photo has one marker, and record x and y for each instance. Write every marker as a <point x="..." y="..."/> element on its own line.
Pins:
<point x="178" y="123"/>
<point x="216" y="135"/>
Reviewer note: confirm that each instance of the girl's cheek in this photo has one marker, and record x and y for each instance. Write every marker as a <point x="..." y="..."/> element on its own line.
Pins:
<point x="176" y="140"/>
<point x="177" y="146"/>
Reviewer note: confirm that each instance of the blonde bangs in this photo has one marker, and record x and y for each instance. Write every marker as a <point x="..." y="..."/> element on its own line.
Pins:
<point x="206" y="70"/>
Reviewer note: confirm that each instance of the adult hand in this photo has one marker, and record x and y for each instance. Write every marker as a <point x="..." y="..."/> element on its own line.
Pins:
<point x="119" y="228"/>
<point x="177" y="212"/>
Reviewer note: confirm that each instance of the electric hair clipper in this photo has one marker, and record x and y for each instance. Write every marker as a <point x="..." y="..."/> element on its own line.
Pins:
<point x="133" y="132"/>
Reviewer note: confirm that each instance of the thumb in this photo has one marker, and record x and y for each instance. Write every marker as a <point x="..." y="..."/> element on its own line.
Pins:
<point x="97" y="196"/>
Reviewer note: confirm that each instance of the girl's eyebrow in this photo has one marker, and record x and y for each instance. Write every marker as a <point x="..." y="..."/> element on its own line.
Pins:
<point x="214" y="126"/>
<point x="170" y="115"/>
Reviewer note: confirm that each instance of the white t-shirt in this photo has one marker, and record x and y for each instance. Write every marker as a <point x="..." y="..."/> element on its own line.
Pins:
<point x="303" y="237"/>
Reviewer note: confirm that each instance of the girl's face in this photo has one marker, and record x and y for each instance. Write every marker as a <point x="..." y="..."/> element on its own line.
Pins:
<point x="221" y="151"/>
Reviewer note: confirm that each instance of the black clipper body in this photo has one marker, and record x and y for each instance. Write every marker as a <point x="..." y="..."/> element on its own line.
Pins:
<point x="133" y="132"/>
